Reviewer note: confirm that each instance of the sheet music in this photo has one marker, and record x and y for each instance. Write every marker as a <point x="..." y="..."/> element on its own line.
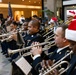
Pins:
<point x="24" y="65"/>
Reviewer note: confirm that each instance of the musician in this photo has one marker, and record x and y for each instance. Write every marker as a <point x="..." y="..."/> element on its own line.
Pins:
<point x="61" y="51"/>
<point x="32" y="36"/>
<point x="25" y="26"/>
<point x="70" y="17"/>
<point x="52" y="24"/>
<point x="71" y="36"/>
<point x="11" y="43"/>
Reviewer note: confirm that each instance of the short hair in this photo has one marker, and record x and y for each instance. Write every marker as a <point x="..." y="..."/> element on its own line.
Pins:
<point x="64" y="27"/>
<point x="14" y="23"/>
<point x="35" y="16"/>
<point x="35" y="23"/>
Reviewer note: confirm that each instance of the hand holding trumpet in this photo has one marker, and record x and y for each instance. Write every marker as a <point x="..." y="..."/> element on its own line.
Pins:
<point x="36" y="49"/>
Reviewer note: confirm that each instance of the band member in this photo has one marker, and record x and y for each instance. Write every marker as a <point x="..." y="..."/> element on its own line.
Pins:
<point x="70" y="17"/>
<point x="70" y="35"/>
<point x="11" y="42"/>
<point x="33" y="33"/>
<point x="61" y="51"/>
<point x="32" y="36"/>
<point x="25" y="26"/>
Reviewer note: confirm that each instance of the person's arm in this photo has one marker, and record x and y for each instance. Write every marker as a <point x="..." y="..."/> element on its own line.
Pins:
<point x="36" y="52"/>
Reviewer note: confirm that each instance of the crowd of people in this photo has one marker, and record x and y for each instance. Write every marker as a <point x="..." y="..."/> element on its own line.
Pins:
<point x="30" y="32"/>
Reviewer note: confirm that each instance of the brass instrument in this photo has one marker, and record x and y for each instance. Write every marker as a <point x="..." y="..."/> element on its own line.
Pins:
<point x="6" y="39"/>
<point x="48" y="33"/>
<point x="67" y="22"/>
<point x="49" y="27"/>
<point x="50" y="37"/>
<point x="56" y="65"/>
<point x="24" y="49"/>
<point x="3" y="35"/>
<point x="8" y="34"/>
<point x="44" y="49"/>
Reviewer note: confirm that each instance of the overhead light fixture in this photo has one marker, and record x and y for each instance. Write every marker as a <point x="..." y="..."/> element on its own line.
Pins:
<point x="20" y="6"/>
<point x="34" y="1"/>
<point x="23" y="0"/>
<point x="39" y="2"/>
<point x="0" y="0"/>
<point x="29" y="1"/>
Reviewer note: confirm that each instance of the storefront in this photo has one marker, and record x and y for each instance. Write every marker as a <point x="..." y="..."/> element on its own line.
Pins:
<point x="68" y="5"/>
<point x="27" y="8"/>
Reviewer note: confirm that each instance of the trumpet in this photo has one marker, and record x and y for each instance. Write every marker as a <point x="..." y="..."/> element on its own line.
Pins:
<point x="27" y="48"/>
<point x="4" y="35"/>
<point x="56" y="65"/>
<point x="8" y="34"/>
<point x="5" y="39"/>
<point x="44" y="49"/>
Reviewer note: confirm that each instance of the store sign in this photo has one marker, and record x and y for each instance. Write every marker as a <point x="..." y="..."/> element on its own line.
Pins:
<point x="69" y="2"/>
<point x="65" y="0"/>
<point x="72" y="10"/>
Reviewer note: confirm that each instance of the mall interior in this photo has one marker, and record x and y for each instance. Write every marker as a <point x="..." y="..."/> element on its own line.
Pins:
<point x="28" y="8"/>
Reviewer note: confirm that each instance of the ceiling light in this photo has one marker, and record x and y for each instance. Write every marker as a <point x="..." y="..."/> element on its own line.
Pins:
<point x="0" y="0"/>
<point x="39" y="2"/>
<point x="19" y="6"/>
<point x="29" y="1"/>
<point x="34" y="1"/>
<point x="23" y="0"/>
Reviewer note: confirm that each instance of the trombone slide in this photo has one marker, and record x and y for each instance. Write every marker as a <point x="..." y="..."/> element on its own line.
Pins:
<point x="48" y="33"/>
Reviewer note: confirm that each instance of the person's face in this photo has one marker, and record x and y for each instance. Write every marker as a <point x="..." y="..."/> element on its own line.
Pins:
<point x="59" y="40"/>
<point x="12" y="26"/>
<point x="73" y="46"/>
<point x="25" y="26"/>
<point x="69" y="18"/>
<point x="32" y="29"/>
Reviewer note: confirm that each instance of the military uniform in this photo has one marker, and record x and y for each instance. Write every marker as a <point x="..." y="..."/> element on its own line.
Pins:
<point x="58" y="55"/>
<point x="29" y="39"/>
<point x="54" y="57"/>
<point x="72" y="68"/>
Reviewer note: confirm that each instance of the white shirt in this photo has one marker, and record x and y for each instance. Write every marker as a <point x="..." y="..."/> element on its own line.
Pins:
<point x="22" y="18"/>
<point x="59" y="49"/>
<point x="38" y="55"/>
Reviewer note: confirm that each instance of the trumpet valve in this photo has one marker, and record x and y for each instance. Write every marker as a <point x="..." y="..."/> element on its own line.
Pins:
<point x="41" y="71"/>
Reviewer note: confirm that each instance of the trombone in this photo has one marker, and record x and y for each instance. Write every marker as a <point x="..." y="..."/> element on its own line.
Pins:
<point x="27" y="48"/>
<point x="48" y="33"/>
<point x="56" y="65"/>
<point x="50" y="37"/>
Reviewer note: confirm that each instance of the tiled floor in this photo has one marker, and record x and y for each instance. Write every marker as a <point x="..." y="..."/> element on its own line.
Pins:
<point x="5" y="65"/>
